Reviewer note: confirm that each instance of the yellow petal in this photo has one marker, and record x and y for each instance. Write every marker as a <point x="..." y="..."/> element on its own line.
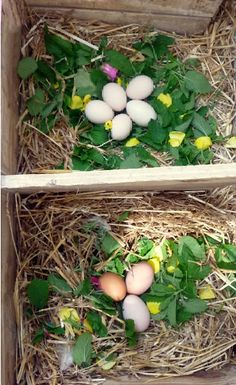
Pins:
<point x="56" y="85"/>
<point x="107" y="365"/>
<point x="158" y="253"/>
<point x="176" y="138"/>
<point x="108" y="125"/>
<point x="154" y="307"/>
<point x="206" y="292"/>
<point x="119" y="81"/>
<point x="68" y="313"/>
<point x="132" y="142"/>
<point x="174" y="142"/>
<point x="171" y="269"/>
<point x="165" y="99"/>
<point x="86" y="99"/>
<point x="155" y="263"/>
<point x="87" y="326"/>
<point x="76" y="103"/>
<point x="203" y="142"/>
<point x="231" y="142"/>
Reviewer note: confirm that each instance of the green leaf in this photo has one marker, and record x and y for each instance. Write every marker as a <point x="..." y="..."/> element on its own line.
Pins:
<point x="82" y="350"/>
<point x="83" y="84"/>
<point x="38" y="337"/>
<point x="144" y="246"/>
<point x="195" y="306"/>
<point x="35" y="104"/>
<point x="197" y="82"/>
<point x="98" y="326"/>
<point x="131" y="161"/>
<point x="109" y="244"/>
<point x="103" y="302"/>
<point x="190" y="289"/>
<point x="192" y="245"/>
<point x="38" y="292"/>
<point x="130" y="333"/>
<point x="57" y="46"/>
<point x="122" y="217"/>
<point x="197" y="272"/>
<point x="47" y="71"/>
<point x="201" y="125"/>
<point x="161" y="44"/>
<point x="54" y="329"/>
<point x="131" y="258"/>
<point x="26" y="67"/>
<point x="82" y="165"/>
<point x="49" y="108"/>
<point x="119" y="61"/>
<point x="95" y="156"/>
<point x="58" y="284"/>
<point x="183" y="316"/>
<point x="161" y="290"/>
<point x="98" y="135"/>
<point x="84" y="288"/>
<point x="183" y="126"/>
<point x="171" y="312"/>
<point x="145" y="157"/>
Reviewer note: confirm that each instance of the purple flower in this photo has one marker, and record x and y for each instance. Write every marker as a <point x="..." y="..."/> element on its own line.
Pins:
<point x="110" y="71"/>
<point x="95" y="281"/>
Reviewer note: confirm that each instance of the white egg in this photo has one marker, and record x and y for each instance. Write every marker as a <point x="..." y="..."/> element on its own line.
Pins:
<point x="121" y="127"/>
<point x="140" y="87"/>
<point x="98" y="112"/>
<point x="114" y="95"/>
<point x="140" y="112"/>
<point x="134" y="308"/>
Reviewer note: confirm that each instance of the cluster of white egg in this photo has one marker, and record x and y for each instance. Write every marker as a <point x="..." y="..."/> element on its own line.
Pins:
<point x="115" y="101"/>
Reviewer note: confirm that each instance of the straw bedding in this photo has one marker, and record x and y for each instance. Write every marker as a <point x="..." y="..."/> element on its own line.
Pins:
<point x="51" y="239"/>
<point x="215" y="49"/>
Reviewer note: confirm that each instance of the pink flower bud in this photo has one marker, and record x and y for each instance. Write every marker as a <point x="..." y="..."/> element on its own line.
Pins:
<point x="95" y="281"/>
<point x="110" y="71"/>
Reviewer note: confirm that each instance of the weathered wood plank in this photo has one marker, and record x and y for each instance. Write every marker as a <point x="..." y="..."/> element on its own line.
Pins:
<point x="170" y="23"/>
<point x="8" y="271"/>
<point x="163" y="178"/>
<point x="181" y="7"/>
<point x="11" y="43"/>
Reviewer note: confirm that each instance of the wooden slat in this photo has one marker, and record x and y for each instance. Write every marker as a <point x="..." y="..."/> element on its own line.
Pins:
<point x="181" y="7"/>
<point x="170" y="23"/>
<point x="11" y="43"/>
<point x="163" y="178"/>
<point x="224" y="376"/>
<point x="8" y="269"/>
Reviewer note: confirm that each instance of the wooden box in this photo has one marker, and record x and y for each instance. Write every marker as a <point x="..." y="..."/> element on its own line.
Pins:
<point x="185" y="16"/>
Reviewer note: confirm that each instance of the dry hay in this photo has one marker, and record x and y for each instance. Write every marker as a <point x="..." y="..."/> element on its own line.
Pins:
<point x="215" y="49"/>
<point x="52" y="239"/>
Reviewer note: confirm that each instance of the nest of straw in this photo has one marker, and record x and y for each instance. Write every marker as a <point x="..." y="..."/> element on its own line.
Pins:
<point x="48" y="225"/>
<point x="215" y="49"/>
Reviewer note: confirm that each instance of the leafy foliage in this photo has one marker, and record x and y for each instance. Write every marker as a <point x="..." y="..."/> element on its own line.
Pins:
<point x="82" y="350"/>
<point x="38" y="293"/>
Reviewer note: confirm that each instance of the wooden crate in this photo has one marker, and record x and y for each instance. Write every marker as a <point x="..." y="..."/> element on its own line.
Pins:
<point x="184" y="16"/>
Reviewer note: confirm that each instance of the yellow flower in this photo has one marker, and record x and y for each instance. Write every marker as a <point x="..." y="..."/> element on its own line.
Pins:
<point x="132" y="142"/>
<point x="56" y="85"/>
<point x="158" y="253"/>
<point x="176" y="138"/>
<point x="171" y="269"/>
<point x="231" y="142"/>
<point x="165" y="99"/>
<point x="87" y="326"/>
<point x="203" y="142"/>
<point x="206" y="292"/>
<point x="154" y="307"/>
<point x="108" y="125"/>
<point x="119" y="81"/>
<point x="68" y="313"/>
<point x="77" y="103"/>
<point x="155" y="263"/>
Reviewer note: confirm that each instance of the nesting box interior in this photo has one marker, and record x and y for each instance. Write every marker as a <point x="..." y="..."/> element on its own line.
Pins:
<point x="184" y="17"/>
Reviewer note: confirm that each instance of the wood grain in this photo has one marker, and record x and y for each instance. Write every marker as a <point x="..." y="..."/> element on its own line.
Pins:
<point x="225" y="376"/>
<point x="204" y="8"/>
<point x="8" y="271"/>
<point x="11" y="43"/>
<point x="162" y="178"/>
<point x="170" y="23"/>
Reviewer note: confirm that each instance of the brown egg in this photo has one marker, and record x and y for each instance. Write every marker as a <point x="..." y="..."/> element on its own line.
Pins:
<point x="113" y="285"/>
